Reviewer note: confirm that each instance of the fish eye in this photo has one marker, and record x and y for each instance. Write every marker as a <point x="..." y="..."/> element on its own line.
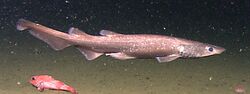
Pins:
<point x="210" y="49"/>
<point x="33" y="78"/>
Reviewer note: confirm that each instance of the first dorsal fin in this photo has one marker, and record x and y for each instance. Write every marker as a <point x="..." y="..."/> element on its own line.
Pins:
<point x="76" y="31"/>
<point x="109" y="33"/>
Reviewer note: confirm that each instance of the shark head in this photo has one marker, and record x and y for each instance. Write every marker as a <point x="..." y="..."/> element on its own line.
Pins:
<point x="199" y="50"/>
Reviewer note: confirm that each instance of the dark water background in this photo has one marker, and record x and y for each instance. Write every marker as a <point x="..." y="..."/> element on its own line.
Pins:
<point x="220" y="22"/>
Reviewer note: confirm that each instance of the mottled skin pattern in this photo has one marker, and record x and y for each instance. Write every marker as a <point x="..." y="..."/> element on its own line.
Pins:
<point x="121" y="46"/>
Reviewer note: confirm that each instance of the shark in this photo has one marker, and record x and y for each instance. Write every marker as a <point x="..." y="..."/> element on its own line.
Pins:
<point x="120" y="46"/>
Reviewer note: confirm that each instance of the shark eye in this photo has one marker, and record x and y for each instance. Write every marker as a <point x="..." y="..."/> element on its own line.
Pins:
<point x="210" y="49"/>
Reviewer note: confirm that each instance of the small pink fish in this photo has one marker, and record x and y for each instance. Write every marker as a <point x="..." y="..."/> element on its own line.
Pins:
<point x="47" y="82"/>
<point x="240" y="89"/>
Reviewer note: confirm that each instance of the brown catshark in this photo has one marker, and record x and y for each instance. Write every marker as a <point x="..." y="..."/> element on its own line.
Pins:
<point x="121" y="46"/>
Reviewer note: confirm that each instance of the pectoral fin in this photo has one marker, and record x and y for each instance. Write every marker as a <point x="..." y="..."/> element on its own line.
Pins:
<point x="167" y="58"/>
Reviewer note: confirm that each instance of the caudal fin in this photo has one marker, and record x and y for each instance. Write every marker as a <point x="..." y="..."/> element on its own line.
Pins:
<point x="20" y="25"/>
<point x="68" y="88"/>
<point x="56" y="39"/>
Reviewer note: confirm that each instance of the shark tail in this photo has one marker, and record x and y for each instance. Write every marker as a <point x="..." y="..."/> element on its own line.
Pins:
<point x="21" y="24"/>
<point x="56" y="39"/>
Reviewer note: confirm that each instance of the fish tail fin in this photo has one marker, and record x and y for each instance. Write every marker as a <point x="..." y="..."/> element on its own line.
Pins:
<point x="69" y="89"/>
<point x="74" y="92"/>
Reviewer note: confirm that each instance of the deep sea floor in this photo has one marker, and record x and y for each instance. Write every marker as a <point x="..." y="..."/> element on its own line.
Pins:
<point x="105" y="75"/>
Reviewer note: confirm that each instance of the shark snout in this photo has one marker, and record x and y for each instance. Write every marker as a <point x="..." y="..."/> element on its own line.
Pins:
<point x="220" y="50"/>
